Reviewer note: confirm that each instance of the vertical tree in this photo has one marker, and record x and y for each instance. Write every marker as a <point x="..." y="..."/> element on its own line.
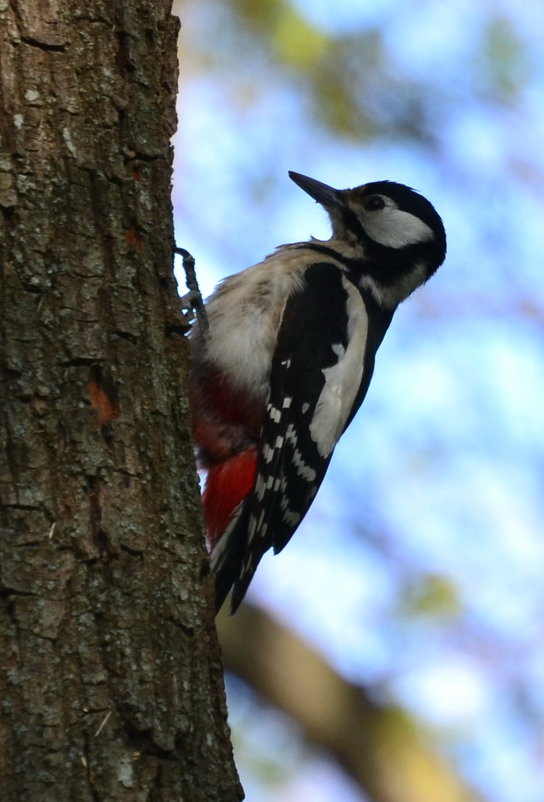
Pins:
<point x="110" y="684"/>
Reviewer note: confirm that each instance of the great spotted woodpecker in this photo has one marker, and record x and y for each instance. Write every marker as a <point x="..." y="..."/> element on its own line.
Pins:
<point x="287" y="362"/>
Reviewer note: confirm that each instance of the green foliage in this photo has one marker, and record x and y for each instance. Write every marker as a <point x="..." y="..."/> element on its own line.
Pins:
<point x="434" y="596"/>
<point x="288" y="36"/>
<point x="504" y="63"/>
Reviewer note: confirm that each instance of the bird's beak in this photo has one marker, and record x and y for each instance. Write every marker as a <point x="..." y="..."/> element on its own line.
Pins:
<point x="327" y="196"/>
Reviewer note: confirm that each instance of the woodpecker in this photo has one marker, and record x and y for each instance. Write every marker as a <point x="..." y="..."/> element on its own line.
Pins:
<point x="287" y="362"/>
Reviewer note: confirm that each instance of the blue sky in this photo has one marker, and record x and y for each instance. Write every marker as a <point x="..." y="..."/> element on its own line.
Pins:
<point x="441" y="473"/>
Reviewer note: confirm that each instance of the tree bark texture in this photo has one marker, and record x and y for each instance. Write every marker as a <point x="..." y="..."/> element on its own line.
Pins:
<point x="111" y="682"/>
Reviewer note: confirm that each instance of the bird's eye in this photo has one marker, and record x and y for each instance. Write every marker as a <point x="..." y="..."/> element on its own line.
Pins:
<point x="374" y="203"/>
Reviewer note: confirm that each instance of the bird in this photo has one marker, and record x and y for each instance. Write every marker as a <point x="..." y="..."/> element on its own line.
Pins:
<point x="287" y="360"/>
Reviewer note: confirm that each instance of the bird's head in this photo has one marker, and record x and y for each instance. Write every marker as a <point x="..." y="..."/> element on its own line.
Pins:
<point x="397" y="233"/>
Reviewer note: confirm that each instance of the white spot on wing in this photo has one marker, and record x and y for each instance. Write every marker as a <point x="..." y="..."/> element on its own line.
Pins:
<point x="303" y="469"/>
<point x="259" y="488"/>
<point x="291" y="518"/>
<point x="291" y="435"/>
<point x="343" y="379"/>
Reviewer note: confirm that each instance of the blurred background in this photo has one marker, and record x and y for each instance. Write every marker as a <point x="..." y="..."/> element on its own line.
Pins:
<point x="417" y="575"/>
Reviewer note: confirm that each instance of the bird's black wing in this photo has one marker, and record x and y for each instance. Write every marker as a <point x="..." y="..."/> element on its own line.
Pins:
<point x="316" y="378"/>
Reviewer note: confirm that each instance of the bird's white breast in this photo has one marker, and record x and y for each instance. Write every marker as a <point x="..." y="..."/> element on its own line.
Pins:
<point x="245" y="315"/>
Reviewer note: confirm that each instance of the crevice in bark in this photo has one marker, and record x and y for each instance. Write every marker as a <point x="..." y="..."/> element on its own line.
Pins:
<point x="28" y="40"/>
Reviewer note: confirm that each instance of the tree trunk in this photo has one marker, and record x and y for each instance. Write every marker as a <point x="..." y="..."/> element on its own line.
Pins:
<point x="111" y="682"/>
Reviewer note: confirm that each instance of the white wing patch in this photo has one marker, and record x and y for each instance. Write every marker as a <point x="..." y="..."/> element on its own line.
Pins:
<point x="343" y="379"/>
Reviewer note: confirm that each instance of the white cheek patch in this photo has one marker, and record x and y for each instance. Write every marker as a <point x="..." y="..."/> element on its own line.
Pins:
<point x="342" y="380"/>
<point x="394" y="228"/>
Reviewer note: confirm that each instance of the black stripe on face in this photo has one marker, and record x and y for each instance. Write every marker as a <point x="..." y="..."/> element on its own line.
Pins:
<point x="386" y="265"/>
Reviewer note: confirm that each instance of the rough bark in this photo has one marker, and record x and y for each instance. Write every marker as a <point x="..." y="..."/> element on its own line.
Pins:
<point x="111" y="683"/>
<point x="375" y="743"/>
